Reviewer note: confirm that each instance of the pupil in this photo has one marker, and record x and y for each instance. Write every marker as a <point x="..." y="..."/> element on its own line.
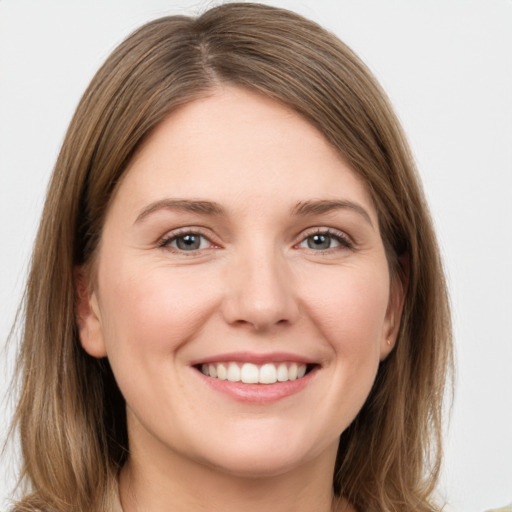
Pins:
<point x="188" y="242"/>
<point x="319" y="242"/>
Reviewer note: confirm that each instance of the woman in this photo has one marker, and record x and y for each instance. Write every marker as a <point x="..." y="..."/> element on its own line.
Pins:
<point x="235" y="286"/>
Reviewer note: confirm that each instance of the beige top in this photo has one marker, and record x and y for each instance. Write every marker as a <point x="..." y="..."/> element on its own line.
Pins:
<point x="116" y="505"/>
<point x="118" y="508"/>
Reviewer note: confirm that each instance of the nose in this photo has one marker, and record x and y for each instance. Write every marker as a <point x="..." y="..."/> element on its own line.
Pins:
<point x="260" y="292"/>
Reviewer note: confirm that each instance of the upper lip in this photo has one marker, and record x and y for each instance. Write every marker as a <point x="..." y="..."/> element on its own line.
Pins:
<point x="255" y="358"/>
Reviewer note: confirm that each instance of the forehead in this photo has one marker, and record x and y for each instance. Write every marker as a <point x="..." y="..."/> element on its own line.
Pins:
<point x="236" y="145"/>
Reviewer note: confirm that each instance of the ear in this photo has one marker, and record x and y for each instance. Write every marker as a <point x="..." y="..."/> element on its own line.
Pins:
<point x="88" y="317"/>
<point x="397" y="291"/>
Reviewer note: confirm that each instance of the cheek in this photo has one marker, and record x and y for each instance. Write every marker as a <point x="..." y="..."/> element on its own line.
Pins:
<point x="153" y="311"/>
<point x="349" y="307"/>
<point x="148" y="315"/>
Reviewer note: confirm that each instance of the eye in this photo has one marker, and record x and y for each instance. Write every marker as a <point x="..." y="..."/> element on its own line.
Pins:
<point x="186" y="242"/>
<point x="325" y="240"/>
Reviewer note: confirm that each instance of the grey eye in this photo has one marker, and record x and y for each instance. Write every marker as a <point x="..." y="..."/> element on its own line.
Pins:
<point x="188" y="242"/>
<point x="320" y="242"/>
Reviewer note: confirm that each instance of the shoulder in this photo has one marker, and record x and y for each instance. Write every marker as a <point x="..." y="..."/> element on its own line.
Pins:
<point x="507" y="508"/>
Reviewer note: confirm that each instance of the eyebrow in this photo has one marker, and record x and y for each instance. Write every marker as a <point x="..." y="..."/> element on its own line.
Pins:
<point x="302" y="208"/>
<point x="325" y="206"/>
<point x="186" y="205"/>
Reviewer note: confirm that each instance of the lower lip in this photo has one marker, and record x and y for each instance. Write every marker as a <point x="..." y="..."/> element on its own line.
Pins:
<point x="258" y="393"/>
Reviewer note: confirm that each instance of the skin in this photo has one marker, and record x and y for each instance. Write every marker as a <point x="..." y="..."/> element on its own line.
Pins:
<point x="257" y="284"/>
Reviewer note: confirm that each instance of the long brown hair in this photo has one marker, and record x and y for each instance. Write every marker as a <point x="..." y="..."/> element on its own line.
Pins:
<point x="70" y="415"/>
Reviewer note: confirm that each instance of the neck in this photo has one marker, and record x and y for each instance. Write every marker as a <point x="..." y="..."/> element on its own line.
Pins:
<point x="182" y="485"/>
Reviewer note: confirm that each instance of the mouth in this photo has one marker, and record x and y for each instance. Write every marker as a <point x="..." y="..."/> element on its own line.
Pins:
<point x="251" y="373"/>
<point x="257" y="378"/>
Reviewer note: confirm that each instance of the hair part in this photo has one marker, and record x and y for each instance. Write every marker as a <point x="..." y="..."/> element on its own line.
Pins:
<point x="70" y="406"/>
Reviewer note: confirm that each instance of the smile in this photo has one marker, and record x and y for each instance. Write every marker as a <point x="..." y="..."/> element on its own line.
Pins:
<point x="249" y="373"/>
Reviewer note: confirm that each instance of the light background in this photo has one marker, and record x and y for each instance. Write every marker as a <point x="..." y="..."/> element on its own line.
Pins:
<point x="447" y="66"/>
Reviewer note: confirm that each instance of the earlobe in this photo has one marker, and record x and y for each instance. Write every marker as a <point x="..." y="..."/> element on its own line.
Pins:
<point x="88" y="316"/>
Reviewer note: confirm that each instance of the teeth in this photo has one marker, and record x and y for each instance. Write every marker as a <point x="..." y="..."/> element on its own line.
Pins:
<point x="233" y="372"/>
<point x="249" y="373"/>
<point x="268" y="374"/>
<point x="282" y="373"/>
<point x="222" y="372"/>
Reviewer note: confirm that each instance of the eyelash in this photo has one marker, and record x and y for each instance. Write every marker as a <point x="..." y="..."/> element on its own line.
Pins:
<point x="341" y="238"/>
<point x="165" y="242"/>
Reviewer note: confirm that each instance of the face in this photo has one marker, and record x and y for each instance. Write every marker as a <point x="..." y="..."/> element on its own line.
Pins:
<point x="241" y="289"/>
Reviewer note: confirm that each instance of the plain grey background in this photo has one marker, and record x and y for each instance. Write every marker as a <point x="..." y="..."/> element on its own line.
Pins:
<point x="447" y="66"/>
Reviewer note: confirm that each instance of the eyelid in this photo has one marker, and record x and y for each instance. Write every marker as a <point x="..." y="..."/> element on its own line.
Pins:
<point x="345" y="240"/>
<point x="187" y="230"/>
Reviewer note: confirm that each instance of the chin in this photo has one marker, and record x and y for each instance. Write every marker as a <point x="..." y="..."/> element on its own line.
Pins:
<point x="259" y="465"/>
<point x="261" y="456"/>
